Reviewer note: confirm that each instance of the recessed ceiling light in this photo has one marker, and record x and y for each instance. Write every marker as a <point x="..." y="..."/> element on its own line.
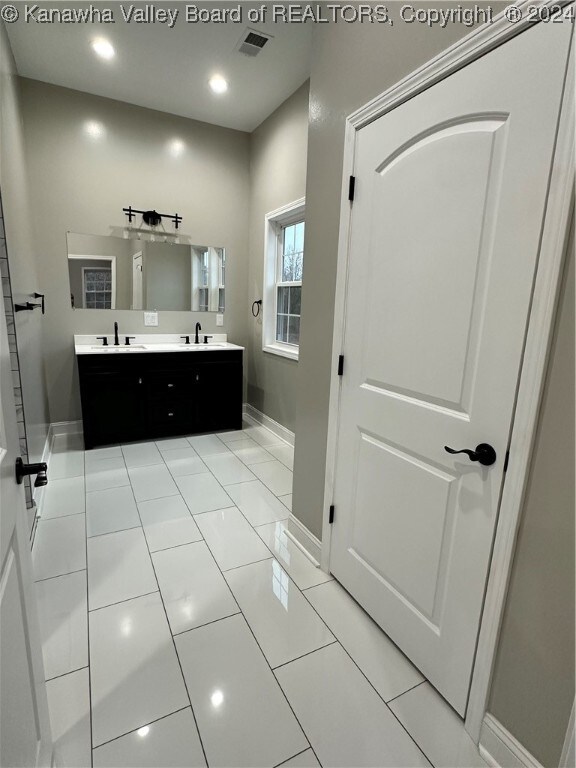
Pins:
<point x="176" y="147"/>
<point x="94" y="129"/>
<point x="103" y="48"/>
<point x="218" y="84"/>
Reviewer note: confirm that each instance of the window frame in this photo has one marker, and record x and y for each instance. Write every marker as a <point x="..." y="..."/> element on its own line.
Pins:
<point x="275" y="222"/>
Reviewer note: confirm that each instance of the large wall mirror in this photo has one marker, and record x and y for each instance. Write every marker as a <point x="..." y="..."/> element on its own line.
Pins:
<point x="108" y="272"/>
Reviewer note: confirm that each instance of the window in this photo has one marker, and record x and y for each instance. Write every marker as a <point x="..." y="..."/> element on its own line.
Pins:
<point x="283" y="264"/>
<point x="97" y="284"/>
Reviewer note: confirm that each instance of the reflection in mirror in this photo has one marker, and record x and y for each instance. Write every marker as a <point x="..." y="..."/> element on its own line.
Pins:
<point x="108" y="272"/>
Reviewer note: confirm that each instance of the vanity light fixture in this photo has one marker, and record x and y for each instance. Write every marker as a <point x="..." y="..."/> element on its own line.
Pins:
<point x="218" y="84"/>
<point x="152" y="218"/>
<point x="103" y="48"/>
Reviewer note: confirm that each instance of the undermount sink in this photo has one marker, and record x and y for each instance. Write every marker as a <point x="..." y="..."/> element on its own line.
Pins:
<point x="198" y="347"/>
<point x="131" y="348"/>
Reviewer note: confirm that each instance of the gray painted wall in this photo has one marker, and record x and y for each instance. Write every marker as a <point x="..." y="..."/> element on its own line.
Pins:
<point x="278" y="177"/>
<point x="533" y="682"/>
<point x="22" y="253"/>
<point x="80" y="183"/>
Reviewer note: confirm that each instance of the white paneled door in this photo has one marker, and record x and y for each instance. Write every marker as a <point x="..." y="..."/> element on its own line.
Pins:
<point x="450" y="199"/>
<point x="24" y="725"/>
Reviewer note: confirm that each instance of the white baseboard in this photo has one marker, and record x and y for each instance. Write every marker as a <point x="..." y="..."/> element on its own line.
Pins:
<point x="502" y="750"/>
<point x="54" y="430"/>
<point x="304" y="539"/>
<point x="257" y="417"/>
<point x="568" y="756"/>
<point x="66" y="427"/>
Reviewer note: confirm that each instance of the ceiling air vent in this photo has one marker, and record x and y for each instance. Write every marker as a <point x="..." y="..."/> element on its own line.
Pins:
<point x="252" y="42"/>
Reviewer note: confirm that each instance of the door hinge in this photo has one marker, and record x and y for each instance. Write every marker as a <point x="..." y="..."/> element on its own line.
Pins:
<point x="340" y="365"/>
<point x="331" y="515"/>
<point x="506" y="458"/>
<point x="351" y="188"/>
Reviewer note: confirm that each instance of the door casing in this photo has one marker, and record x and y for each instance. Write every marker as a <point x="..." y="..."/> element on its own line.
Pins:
<point x="555" y="232"/>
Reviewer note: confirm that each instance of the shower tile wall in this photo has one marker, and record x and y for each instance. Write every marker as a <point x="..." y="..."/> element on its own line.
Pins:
<point x="13" y="346"/>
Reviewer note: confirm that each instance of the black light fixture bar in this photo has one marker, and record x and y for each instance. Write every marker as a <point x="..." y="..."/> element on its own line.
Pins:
<point x="153" y="218"/>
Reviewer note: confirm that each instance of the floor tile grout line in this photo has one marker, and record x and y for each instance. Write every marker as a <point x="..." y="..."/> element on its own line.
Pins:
<point x="246" y="565"/>
<point x="172" y="638"/>
<point x="174" y="546"/>
<point x="303" y="655"/>
<point x="370" y="682"/>
<point x="64" y="674"/>
<point x="88" y="624"/>
<point x="206" y="624"/>
<point x="398" y="696"/>
<point x="134" y="730"/>
<point x="119" y="602"/>
<point x="279" y="765"/>
<point x="111" y="533"/>
<point x="321" y="584"/>
<point x="59" y="575"/>
<point x="218" y="509"/>
<point x="41" y="517"/>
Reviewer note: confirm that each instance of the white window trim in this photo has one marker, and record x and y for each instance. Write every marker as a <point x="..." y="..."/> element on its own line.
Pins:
<point x="280" y="217"/>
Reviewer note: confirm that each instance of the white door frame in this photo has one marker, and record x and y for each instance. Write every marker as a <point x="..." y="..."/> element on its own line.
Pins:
<point x="111" y="259"/>
<point x="547" y="282"/>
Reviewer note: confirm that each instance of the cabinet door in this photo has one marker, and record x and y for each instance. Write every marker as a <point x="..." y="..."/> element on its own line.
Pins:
<point x="219" y="388"/>
<point x="112" y="404"/>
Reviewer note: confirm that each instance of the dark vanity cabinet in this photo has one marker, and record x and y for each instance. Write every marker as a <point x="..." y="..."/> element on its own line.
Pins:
<point x="142" y="396"/>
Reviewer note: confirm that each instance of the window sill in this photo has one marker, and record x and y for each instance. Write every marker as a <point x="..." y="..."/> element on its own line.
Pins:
<point x="281" y="350"/>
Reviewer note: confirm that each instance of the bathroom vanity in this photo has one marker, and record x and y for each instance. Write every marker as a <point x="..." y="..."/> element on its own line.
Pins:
<point x="157" y="387"/>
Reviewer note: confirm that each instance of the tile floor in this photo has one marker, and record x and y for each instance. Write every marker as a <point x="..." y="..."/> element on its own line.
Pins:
<point x="182" y="627"/>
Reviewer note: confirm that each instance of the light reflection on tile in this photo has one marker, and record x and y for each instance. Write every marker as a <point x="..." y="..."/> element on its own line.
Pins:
<point x="284" y="624"/>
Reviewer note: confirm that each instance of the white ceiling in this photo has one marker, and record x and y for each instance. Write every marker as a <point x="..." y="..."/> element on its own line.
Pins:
<point x="168" y="69"/>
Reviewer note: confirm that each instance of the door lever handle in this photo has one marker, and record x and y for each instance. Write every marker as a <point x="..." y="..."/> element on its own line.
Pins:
<point x="40" y="470"/>
<point x="484" y="454"/>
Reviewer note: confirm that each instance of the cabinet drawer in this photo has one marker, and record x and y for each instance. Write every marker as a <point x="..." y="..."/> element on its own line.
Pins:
<point x="178" y="414"/>
<point x="175" y="384"/>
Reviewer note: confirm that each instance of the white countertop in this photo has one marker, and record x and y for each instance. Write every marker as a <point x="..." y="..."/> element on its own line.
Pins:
<point x="151" y="342"/>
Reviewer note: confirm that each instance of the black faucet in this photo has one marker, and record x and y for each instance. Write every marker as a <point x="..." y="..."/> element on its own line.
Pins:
<point x="116" y="341"/>
<point x="198" y="328"/>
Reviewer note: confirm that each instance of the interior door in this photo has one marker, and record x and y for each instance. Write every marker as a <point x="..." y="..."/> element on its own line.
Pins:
<point x="450" y="199"/>
<point x="24" y="726"/>
<point x="137" y="301"/>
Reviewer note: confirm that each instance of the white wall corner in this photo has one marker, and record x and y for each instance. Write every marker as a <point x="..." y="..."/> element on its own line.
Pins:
<point x="256" y="417"/>
<point x="502" y="750"/>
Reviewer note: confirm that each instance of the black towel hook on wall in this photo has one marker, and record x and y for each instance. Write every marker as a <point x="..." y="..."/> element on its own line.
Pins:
<point x="29" y="306"/>
<point x="258" y="305"/>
